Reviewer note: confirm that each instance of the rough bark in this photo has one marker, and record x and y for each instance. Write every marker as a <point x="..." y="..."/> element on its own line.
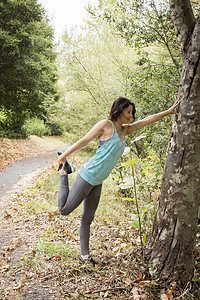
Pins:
<point x="170" y="249"/>
<point x="183" y="19"/>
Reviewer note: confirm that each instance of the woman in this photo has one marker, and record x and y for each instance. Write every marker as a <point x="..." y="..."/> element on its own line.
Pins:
<point x="88" y="183"/>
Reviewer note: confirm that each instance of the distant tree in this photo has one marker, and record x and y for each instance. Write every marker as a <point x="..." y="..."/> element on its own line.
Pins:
<point x="142" y="23"/>
<point x="91" y="75"/>
<point x="27" y="61"/>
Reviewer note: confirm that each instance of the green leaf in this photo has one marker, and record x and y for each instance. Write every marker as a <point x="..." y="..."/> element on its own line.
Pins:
<point x="129" y="163"/>
<point x="128" y="246"/>
<point x="146" y="169"/>
<point x="144" y="238"/>
<point x="147" y="207"/>
<point x="134" y="221"/>
<point x="126" y="184"/>
<point x="128" y="199"/>
<point x="139" y="138"/>
<point x="195" y="278"/>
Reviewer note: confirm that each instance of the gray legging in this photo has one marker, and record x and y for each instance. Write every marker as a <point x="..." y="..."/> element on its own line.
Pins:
<point x="68" y="200"/>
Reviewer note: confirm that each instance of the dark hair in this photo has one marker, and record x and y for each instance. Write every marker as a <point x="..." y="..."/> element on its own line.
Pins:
<point x="118" y="106"/>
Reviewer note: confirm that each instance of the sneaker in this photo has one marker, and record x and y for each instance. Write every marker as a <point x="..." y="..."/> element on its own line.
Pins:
<point x="68" y="168"/>
<point x="95" y="264"/>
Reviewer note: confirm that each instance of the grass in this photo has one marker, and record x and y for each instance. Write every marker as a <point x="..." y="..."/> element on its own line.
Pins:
<point x="53" y="248"/>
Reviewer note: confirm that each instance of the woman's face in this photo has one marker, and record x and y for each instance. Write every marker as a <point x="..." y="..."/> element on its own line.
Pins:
<point x="127" y="115"/>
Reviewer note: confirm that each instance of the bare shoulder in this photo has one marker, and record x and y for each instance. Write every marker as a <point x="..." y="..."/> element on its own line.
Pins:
<point x="97" y="131"/>
<point x="101" y="126"/>
<point x="104" y="124"/>
<point x="105" y="129"/>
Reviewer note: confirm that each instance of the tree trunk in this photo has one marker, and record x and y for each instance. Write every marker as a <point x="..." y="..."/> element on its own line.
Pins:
<point x="170" y="249"/>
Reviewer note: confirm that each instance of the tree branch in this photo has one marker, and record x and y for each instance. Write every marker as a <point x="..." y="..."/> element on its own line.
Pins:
<point x="166" y="39"/>
<point x="183" y="19"/>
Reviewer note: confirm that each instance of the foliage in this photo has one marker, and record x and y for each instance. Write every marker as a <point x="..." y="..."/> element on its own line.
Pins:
<point x="97" y="67"/>
<point x="27" y="62"/>
<point x="91" y="76"/>
<point x="50" y="117"/>
<point x="141" y="23"/>
<point x="154" y="87"/>
<point x="138" y="186"/>
<point x="2" y="117"/>
<point x="11" y="123"/>
<point x="153" y="75"/>
<point x="196" y="7"/>
<point x="36" y="126"/>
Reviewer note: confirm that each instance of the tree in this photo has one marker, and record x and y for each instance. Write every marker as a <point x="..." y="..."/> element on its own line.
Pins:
<point x="27" y="60"/>
<point x="142" y="23"/>
<point x="170" y="249"/>
<point x="92" y="68"/>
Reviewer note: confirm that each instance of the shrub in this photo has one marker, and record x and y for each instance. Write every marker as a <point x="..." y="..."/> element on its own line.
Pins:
<point x="36" y="126"/>
<point x="55" y="128"/>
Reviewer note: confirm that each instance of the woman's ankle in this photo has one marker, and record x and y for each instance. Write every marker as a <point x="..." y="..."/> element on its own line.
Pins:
<point x="85" y="256"/>
<point x="62" y="172"/>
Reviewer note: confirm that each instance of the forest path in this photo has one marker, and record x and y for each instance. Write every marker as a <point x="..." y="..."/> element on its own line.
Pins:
<point x="19" y="174"/>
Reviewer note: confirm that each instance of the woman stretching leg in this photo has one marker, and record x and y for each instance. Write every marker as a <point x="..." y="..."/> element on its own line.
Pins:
<point x="88" y="183"/>
<point x="68" y="200"/>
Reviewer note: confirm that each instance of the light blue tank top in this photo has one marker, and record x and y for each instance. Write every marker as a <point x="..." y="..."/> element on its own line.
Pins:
<point x="101" y="164"/>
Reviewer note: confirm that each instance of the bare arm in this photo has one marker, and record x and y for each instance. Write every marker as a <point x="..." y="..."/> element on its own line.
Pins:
<point x="129" y="128"/>
<point x="96" y="131"/>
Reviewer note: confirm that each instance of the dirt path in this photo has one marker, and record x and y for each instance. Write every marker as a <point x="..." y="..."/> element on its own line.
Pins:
<point x="18" y="175"/>
<point x="16" y="178"/>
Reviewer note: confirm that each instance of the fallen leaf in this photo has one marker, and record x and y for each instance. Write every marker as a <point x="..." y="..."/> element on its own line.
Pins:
<point x="139" y="277"/>
<point x="7" y="215"/>
<point x="17" y="287"/>
<point x="106" y="294"/>
<point x="145" y="283"/>
<point x="134" y="291"/>
<point x="128" y="246"/>
<point x="169" y="294"/>
<point x="41" y="274"/>
<point x="128" y="281"/>
<point x="58" y="257"/>
<point x="12" y="295"/>
<point x="173" y="284"/>
<point x="4" y="267"/>
<point x="163" y="297"/>
<point x="50" y="215"/>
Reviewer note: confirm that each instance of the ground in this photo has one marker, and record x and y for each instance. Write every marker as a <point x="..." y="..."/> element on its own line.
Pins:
<point x="12" y="150"/>
<point x="40" y="249"/>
